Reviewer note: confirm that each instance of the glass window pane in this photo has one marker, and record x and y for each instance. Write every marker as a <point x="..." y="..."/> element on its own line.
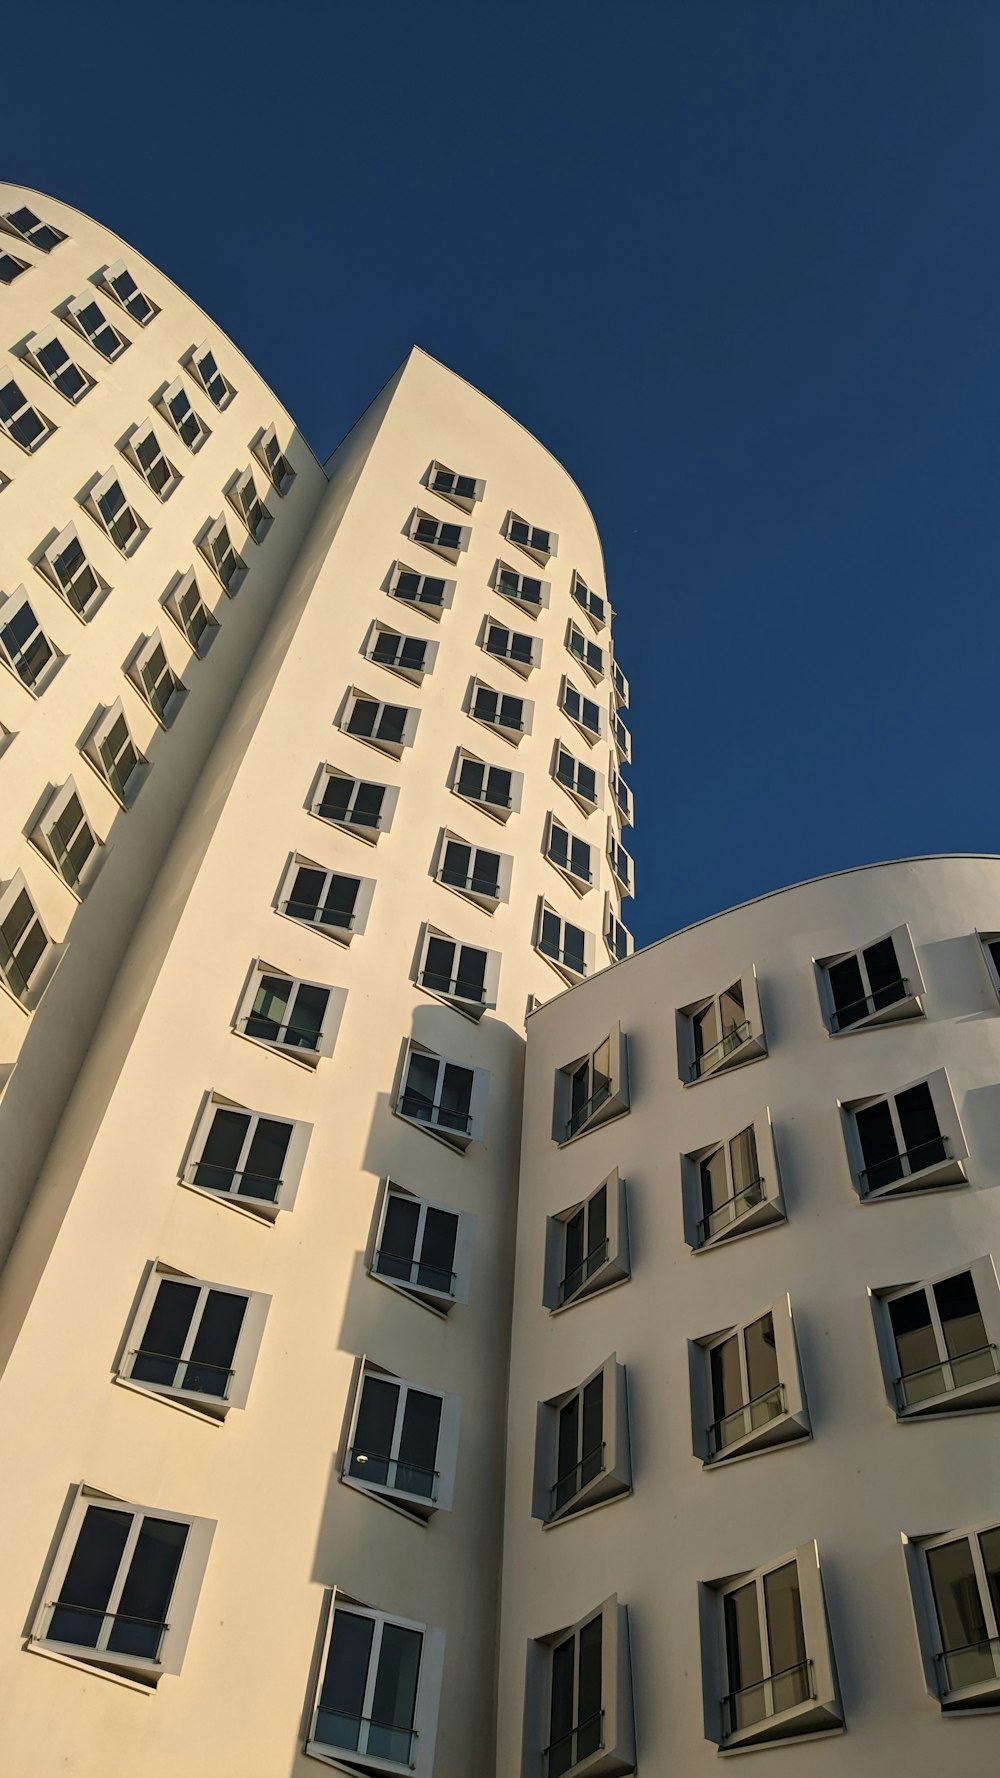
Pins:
<point x="373" y="1433"/>
<point x="958" y="1307"/>
<point x="879" y="1147"/>
<point x="418" y="1444"/>
<point x="90" y="1576"/>
<point x="762" y="1357"/>
<point x="211" y="1361"/>
<point x="162" y="1338"/>
<point x="437" y="1250"/>
<point x="265" y="1159"/>
<point x="727" y="1378"/>
<point x="918" y="1122"/>
<point x="399" y="1234"/>
<point x="783" y="1607"/>
<point x="743" y="1647"/>
<point x="395" y="1699"/>
<point x="956" y="1594"/>
<point x="142" y="1609"/>
<point x="342" y="1695"/>
<point x="913" y="1332"/>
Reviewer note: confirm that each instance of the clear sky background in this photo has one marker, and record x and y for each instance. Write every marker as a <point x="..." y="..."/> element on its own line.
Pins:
<point x="734" y="261"/>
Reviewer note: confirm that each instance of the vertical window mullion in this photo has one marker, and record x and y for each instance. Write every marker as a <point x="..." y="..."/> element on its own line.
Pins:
<point x="124" y="1566"/>
<point x="418" y="1234"/>
<point x="765" y="1641"/>
<point x="402" y="1391"/>
<point x="187" y="1345"/>
<point x="937" y="1326"/>
<point x="897" y="1128"/>
<point x="983" y="1584"/>
<point x="374" y="1657"/>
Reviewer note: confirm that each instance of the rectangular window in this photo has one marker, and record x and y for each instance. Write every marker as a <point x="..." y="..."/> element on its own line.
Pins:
<point x="571" y="856"/>
<point x="589" y="654"/>
<point x="112" y="751"/>
<point x="465" y="975"/>
<point x="390" y="727"/>
<point x="876" y="985"/>
<point x="289" y="1015"/>
<point x="377" y="1697"/>
<point x="424" y="1249"/>
<point x="622" y="739"/>
<point x="494" y="788"/>
<point x="748" y="1394"/>
<point x="622" y="867"/>
<point x="622" y="798"/>
<point x="427" y="592"/>
<point x="195" y="1341"/>
<point x="461" y="490"/>
<point x="403" y="1443"/>
<point x="445" y="1097"/>
<point x="585" y="1443"/>
<point x="96" y="328"/>
<point x="908" y="1139"/>
<point x="581" y="780"/>
<point x="722" y="1032"/>
<point x="189" y="612"/>
<point x="174" y="402"/>
<point x="47" y="355"/>
<point x="145" y="454"/>
<point x="65" y="837"/>
<point x="592" y="1089"/>
<point x="123" y="287"/>
<point x="153" y="676"/>
<point x="440" y="535"/>
<point x="273" y="461"/>
<point x="30" y="228"/>
<point x="566" y="946"/>
<point x="520" y="652"/>
<point x="617" y="937"/>
<point x="580" y="1680"/>
<point x="363" y="808"/>
<point x="23" y="941"/>
<point x="589" y="601"/>
<point x="251" y="1159"/>
<point x="964" y="1583"/>
<point x="23" y="424"/>
<point x="587" y="1246"/>
<point x="25" y="645"/>
<point x="65" y="567"/>
<point x="498" y="710"/>
<point x="246" y="502"/>
<point x="524" y="589"/>
<point x="337" y="905"/>
<point x="777" y="1671"/>
<point x="11" y="267"/>
<point x="942" y="1341"/>
<point x="412" y="657"/>
<point x="734" y="1186"/>
<point x="206" y="372"/>
<point x="581" y="711"/>
<point x="476" y="872"/>
<point x="619" y="684"/>
<point x="538" y="543"/>
<point x="222" y="557"/>
<point x="118" y="519"/>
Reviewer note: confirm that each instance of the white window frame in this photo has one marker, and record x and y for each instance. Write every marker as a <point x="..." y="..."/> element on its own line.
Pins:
<point x="582" y="594"/>
<point x="210" y="535"/>
<point x="496" y="811"/>
<point x="591" y="736"/>
<point x="579" y="884"/>
<point x="516" y="596"/>
<point x="81" y="608"/>
<point x="431" y="608"/>
<point x="607" y="1100"/>
<point x="19" y="266"/>
<point x="621" y="796"/>
<point x="602" y="1266"/>
<point x="509" y="731"/>
<point x="619" y="685"/>
<point x="420" y="1762"/>
<point x="473" y="1009"/>
<point x="274" y="461"/>
<point x="173" y="604"/>
<point x="962" y="1392"/>
<point x="985" y="940"/>
<point x="9" y="227"/>
<point x="130" y="450"/>
<point x="450" y="551"/>
<point x="29" y="993"/>
<point x="37" y="343"/>
<point x="261" y="1209"/>
<point x="613" y="1479"/>
<point x="757" y="1206"/>
<point x="909" y="1006"/>
<point x="744" y="1043"/>
<point x="533" y="547"/>
<point x="74" y="311"/>
<point x="183" y="1600"/>
<point x="395" y="749"/>
<point x="108" y="284"/>
<point x="244" y="1356"/>
<point x="622" y="739"/>
<point x="621" y="862"/>
<point x="779" y="1417"/>
<point x="241" y="493"/>
<point x="564" y="969"/>
<point x="361" y="830"/>
<point x="617" y="1751"/>
<point x="446" y="1456"/>
<point x="587" y="805"/>
<point x="327" y="1035"/>
<point x="973" y="1696"/>
<point x="34" y="684"/>
<point x="170" y="393"/>
<point x="450" y="1136"/>
<point x="341" y="935"/>
<point x="53" y="851"/>
<point x="441" y="1301"/>
<point x="163" y="695"/>
<point x="193" y="366"/>
<point x="91" y="750"/>
<point x="90" y="503"/>
<point x="948" y="1172"/>
<point x="413" y="675"/>
<point x="465" y="502"/>
<point x="823" y="1712"/>
<point x="617" y="937"/>
<point x="587" y="654"/>
<point x="479" y="898"/>
<point x="27" y="407"/>
<point x="523" y="668"/>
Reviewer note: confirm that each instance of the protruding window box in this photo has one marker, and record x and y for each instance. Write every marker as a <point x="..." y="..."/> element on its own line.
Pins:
<point x="952" y="1580"/>
<point x="331" y="902"/>
<point x="246" y="1159"/>
<point x="429" y="593"/>
<point x="297" y="1019"/>
<point x="569" y="948"/>
<point x="586" y="1246"/>
<point x="582" y="1449"/>
<point x="746" y="1388"/>
<point x="617" y="937"/>
<point x="589" y="601"/>
<point x="64" y="564"/>
<point x="123" y="289"/>
<point x="525" y="590"/>
<point x="110" y="749"/>
<point x="46" y="354"/>
<point x="477" y="873"/>
<point x="216" y="546"/>
<point x="193" y="1342"/>
<point x="906" y="1141"/>
<point x="241" y="492"/>
<point x="376" y="1702"/>
<point x="24" y="646"/>
<point x="64" y="837"/>
<point x="175" y="404"/>
<point x="622" y="798"/>
<point x="390" y="728"/>
<point x="880" y="984"/>
<point x="28" y="957"/>
<point x="505" y="715"/>
<point x="183" y="602"/>
<point x="619" y="685"/>
<point x="622" y="866"/>
<point x="722" y="1031"/>
<point x="202" y="366"/>
<point x="583" y="712"/>
<point x="439" y="535"/>
<point x="23" y="423"/>
<point x="579" y="780"/>
<point x="622" y="739"/>
<point x="354" y="804"/>
<point x="732" y="1187"/>
<point x="411" y="657"/>
<point x="572" y="856"/>
<point x="579" y="1687"/>
<point x="114" y="515"/>
<point x="462" y="975"/>
<point x="592" y="1089"/>
<point x="520" y="652"/>
<point x="26" y="226"/>
<point x="589" y="654"/>
<point x="494" y="789"/>
<point x="154" y="679"/>
<point x="84" y="313"/>
<point x="446" y="1099"/>
<point x="539" y="544"/>
<point x="464" y="491"/>
<point x="939" y="1341"/>
<point x="402" y="1442"/>
<point x="273" y="461"/>
<point x="142" y="449"/>
<point x="423" y="1249"/>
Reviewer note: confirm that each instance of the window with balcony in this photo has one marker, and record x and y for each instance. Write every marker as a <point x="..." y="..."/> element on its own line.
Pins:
<point x="194" y="1342"/>
<point x="46" y="354"/>
<point x="589" y="654"/>
<point x="536" y="542"/>
<point x="428" y="593"/>
<point x="877" y="985"/>
<point x="622" y="798"/>
<point x="412" y="657"/>
<point x="622" y="739"/>
<point x="225" y="561"/>
<point x="572" y="857"/>
<point x="389" y="727"/>
<point x="439" y="535"/>
<point x="65" y="566"/>
<point x="622" y="867"/>
<point x="582" y="1678"/>
<point x="26" y="950"/>
<point x="190" y="429"/>
<point x="402" y="1443"/>
<point x="273" y="461"/>
<point x="155" y="680"/>
<point x="475" y="872"/>
<point x="30" y="228"/>
<point x="524" y="589"/>
<point x="494" y="789"/>
<point x="939" y="1342"/>
<point x="110" y="749"/>
<point x="520" y="652"/>
<point x="206" y="373"/>
<point x="123" y="1585"/>
<point x="592" y="1088"/>
<point x="23" y="424"/>
<point x="464" y="975"/>
<point x="185" y="605"/>
<point x="958" y="1595"/>
<point x="582" y="1457"/>
<point x="508" y="716"/>
<point x="617" y="937"/>
<point x="582" y="712"/>
<point x="377" y="1697"/>
<point x="776" y="1676"/>
<point x="337" y="905"/>
<point x="907" y="1140"/>
<point x="731" y="1187"/>
<point x="247" y="1159"/>
<point x="568" y="948"/>
<point x="109" y="506"/>
<point x="66" y="839"/>
<point x="582" y="782"/>
<point x="11" y="267"/>
<point x="25" y="647"/>
<point x="721" y="1032"/>
<point x="87" y="315"/>
<point x="298" y="1019"/>
<point x="145" y="454"/>
<point x="748" y="1394"/>
<point x="362" y="808"/>
<point x="586" y="1246"/>
<point x="443" y="1097"/>
<point x="619" y="684"/>
<point x="462" y="490"/>
<point x="245" y="501"/>
<point x="589" y="601"/>
<point x="423" y="1249"/>
<point x="121" y="285"/>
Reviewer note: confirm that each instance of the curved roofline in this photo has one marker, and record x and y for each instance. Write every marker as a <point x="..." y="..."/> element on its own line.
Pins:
<point x="829" y="876"/>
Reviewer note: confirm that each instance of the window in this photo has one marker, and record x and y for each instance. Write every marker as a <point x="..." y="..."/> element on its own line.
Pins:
<point x="476" y="872"/>
<point x="622" y="798"/>
<point x="589" y="654"/>
<point x="520" y="652"/>
<point x="412" y="657"/>
<point x="748" y="1396"/>
<point x="582" y="1680"/>
<point x="591" y="1089"/>
<point x="466" y="976"/>
<point x="461" y="490"/>
<point x="190" y="614"/>
<point x="24" y="943"/>
<point x="120" y="284"/>
<point x="47" y="355"/>
<point x="107" y="503"/>
<point x="11" y="267"/>
<point x="622" y="739"/>
<point x="247" y="1158"/>
<point x="586" y="1247"/>
<point x="298" y="1018"/>
<point x="205" y="371"/>
<point x="722" y="1032"/>
<point x="583" y="1445"/>
<point x="66" y="839"/>
<point x="423" y="1249"/>
<point x="776" y="1676"/>
<point x="244" y="499"/>
<point x="581" y="711"/>
<point x="588" y="601"/>
<point x="224" y="560"/>
<point x="26" y="648"/>
<point x="123" y="1585"/>
<point x="65" y="566"/>
<point x="273" y="461"/>
<point x="536" y="542"/>
<point x="493" y="788"/>
<point x="377" y="1698"/>
<point x="22" y="423"/>
<point x="568" y="948"/>
<point x="428" y="593"/>
<point x="362" y="808"/>
<point x="439" y="535"/>
<point x="448" y="1099"/>
<point x="874" y="986"/>
<point x="144" y="453"/>
<point x="511" y="717"/>
<point x="389" y="727"/>
<point x="155" y="679"/>
<point x="956" y="1582"/>
<point x="110" y="749"/>
<point x="29" y="227"/>
<point x="94" y="325"/>
<point x="403" y="1442"/>
<point x="731" y="1187"/>
<point x="622" y="867"/>
<point x="524" y="589"/>
<point x="174" y="402"/>
<point x="580" y="780"/>
<point x="906" y="1140"/>
<point x="571" y="856"/>
<point x="619" y="684"/>
<point x="939" y="1341"/>
<point x="194" y="1342"/>
<point x="334" y="904"/>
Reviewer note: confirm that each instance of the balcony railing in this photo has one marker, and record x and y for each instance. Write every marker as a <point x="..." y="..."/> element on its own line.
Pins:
<point x="585" y="1112"/>
<point x="951" y="1373"/>
<point x="746" y="1419"/>
<point x="976" y="1664"/>
<point x="426" y="1112"/>
<point x="365" y="1734"/>
<point x="855" y="1010"/>
<point x="478" y="885"/>
<point x="413" y="1271"/>
<point x="730" y="1210"/>
<point x="233" y="1181"/>
<point x="574" y="960"/>
<point x="566" y="1487"/>
<point x="456" y="986"/>
<point x="312" y="913"/>
<point x="900" y="1166"/>
<point x="578" y="1276"/>
<point x="569" y="1750"/>
<point x="769" y="1697"/>
<point x="111" y="1632"/>
<point x="164" y="1370"/>
<point x="731" y="1040"/>
<point x="393" y="1473"/>
<point x="296" y="1037"/>
<point x="347" y="817"/>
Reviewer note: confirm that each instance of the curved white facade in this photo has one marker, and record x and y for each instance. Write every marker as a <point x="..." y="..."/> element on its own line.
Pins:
<point x="873" y="1450"/>
<point x="195" y="1559"/>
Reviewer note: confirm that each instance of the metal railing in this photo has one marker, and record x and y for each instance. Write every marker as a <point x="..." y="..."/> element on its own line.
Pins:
<point x="730" y="1210"/>
<point x="591" y="1263"/>
<point x="231" y="1181"/>
<point x="731" y="1040"/>
<point x="566" y="863"/>
<point x="141" y="1636"/>
<point x="393" y="1473"/>
<point x="188" y="1373"/>
<point x="415" y="1271"/>
<point x="586" y="1111"/>
<point x="769" y="1697"/>
<point x="398" y="660"/>
<point x="574" y="960"/>
<point x="746" y="1419"/>
<point x="483" y="796"/>
<point x="566" y="1487"/>
<point x="347" y="816"/>
<point x="972" y="1665"/>
<point x="313" y="913"/>
<point x="273" y="1033"/>
<point x="854" y="1010"/>
<point x="456" y="985"/>
<point x="365" y="1734"/>
<point x="901" y="1166"/>
<point x="479" y="885"/>
<point x="569" y="1750"/>
<point x="950" y="1373"/>
<point x="497" y="720"/>
<point x="426" y="1112"/>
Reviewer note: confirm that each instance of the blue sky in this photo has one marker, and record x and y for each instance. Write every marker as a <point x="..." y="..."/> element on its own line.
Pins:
<point x="736" y="262"/>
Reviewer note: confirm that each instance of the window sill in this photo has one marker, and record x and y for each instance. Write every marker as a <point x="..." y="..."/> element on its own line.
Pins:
<point x="412" y="675"/>
<point x="785" y="1429"/>
<point x="343" y="1760"/>
<point x="947" y="1173"/>
<point x="802" y="1722"/>
<point x="438" y="1304"/>
<point x="493" y="810"/>
<point x="980" y="1396"/>
<point x="612" y="1108"/>
<point x="457" y="1140"/>
<point x="412" y="1507"/>
<point x="52" y="1652"/>
<point x="301" y="1058"/>
<point x="29" y="1005"/>
<point x="602" y="1491"/>
<point x="614" y="1271"/>
<point x="579" y="885"/>
<point x="267" y="1213"/>
<point x="183" y="1403"/>
<point x="391" y="749"/>
<point x="568" y="974"/>
<point x="767" y="1214"/>
<point x="899" y="1013"/>
<point x="340" y="935"/>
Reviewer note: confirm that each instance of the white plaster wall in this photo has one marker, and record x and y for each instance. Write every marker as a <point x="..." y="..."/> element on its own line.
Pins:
<point x="863" y="1479"/>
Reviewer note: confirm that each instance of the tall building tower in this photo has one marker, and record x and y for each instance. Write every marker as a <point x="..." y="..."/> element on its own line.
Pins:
<point x="311" y="791"/>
